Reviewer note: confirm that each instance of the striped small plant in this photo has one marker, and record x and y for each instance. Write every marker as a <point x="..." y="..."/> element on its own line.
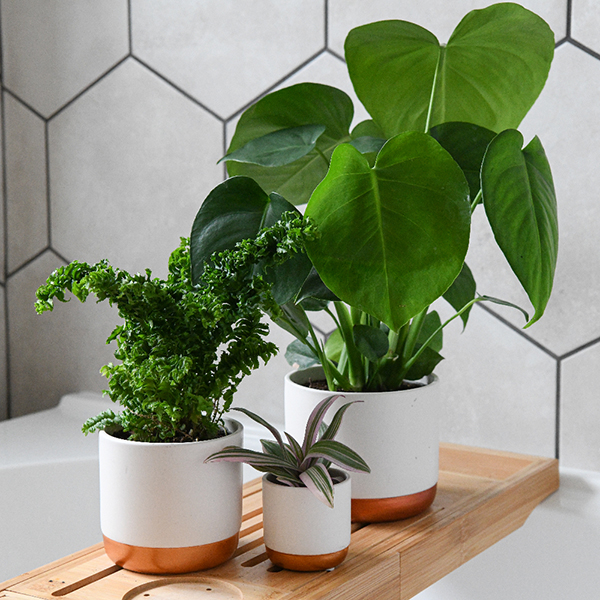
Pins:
<point x="301" y="465"/>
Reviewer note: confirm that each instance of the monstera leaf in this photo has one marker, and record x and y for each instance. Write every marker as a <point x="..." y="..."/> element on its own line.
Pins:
<point x="393" y="237"/>
<point x="238" y="209"/>
<point x="305" y="104"/>
<point x="490" y="73"/>
<point x="520" y="203"/>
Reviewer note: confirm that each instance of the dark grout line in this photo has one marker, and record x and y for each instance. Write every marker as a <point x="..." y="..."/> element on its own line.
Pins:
<point x="89" y="87"/>
<point x="48" y="204"/>
<point x="276" y="84"/>
<point x="326" y="23"/>
<point x="25" y="104"/>
<point x="580" y="349"/>
<point x="518" y="331"/>
<point x="336" y="55"/>
<point x="129" y="27"/>
<point x="178" y="89"/>
<point x="583" y="48"/>
<point x="557" y="408"/>
<point x="569" y="17"/>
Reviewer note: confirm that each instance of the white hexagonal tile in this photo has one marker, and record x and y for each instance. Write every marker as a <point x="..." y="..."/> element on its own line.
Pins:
<point x="26" y="198"/>
<point x="580" y="410"/>
<point x="499" y="390"/>
<point x="57" y="352"/>
<point x="439" y="17"/>
<point x="226" y="52"/>
<point x="131" y="162"/>
<point x="567" y="120"/>
<point x="585" y="23"/>
<point x="53" y="50"/>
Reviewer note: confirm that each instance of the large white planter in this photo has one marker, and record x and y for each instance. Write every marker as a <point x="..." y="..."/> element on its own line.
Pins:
<point x="163" y="510"/>
<point x="396" y="433"/>
<point x="300" y="532"/>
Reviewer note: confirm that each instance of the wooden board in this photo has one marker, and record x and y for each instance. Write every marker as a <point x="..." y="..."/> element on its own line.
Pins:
<point x="483" y="495"/>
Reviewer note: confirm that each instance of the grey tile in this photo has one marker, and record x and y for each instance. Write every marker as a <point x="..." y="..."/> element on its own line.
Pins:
<point x="26" y="198"/>
<point x="585" y="23"/>
<point x="226" y="52"/>
<point x="499" y="389"/>
<point x="131" y="162"/>
<point x="3" y="378"/>
<point x="58" y="352"/>
<point x="580" y="410"/>
<point x="438" y="16"/>
<point x="53" y="50"/>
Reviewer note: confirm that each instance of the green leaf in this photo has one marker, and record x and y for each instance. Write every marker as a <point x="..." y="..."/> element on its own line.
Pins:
<point x="371" y="342"/>
<point x="503" y="303"/>
<point x="258" y="419"/>
<point x="238" y="209"/>
<point x="317" y="479"/>
<point x="430" y="357"/>
<point x="467" y="144"/>
<point x="295" y="106"/>
<point x="490" y="73"/>
<point x="315" y="419"/>
<point x="367" y="128"/>
<point x="315" y="289"/>
<point x="367" y="144"/>
<point x="392" y="238"/>
<point x="279" y="148"/>
<point x="520" y="203"/>
<point x="332" y="429"/>
<point x="461" y="292"/>
<point x="334" y="346"/>
<point x="300" y="354"/>
<point x="339" y="454"/>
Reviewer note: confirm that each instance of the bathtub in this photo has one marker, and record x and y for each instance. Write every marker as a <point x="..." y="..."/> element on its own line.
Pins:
<point x="49" y="508"/>
<point x="49" y="505"/>
<point x="554" y="556"/>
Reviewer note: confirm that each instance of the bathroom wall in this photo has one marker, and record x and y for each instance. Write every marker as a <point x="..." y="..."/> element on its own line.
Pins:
<point x="114" y="114"/>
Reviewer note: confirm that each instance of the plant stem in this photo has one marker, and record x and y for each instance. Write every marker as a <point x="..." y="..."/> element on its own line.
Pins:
<point x="438" y="66"/>
<point x="355" y="371"/>
<point x="476" y="201"/>
<point x="413" y="334"/>
<point x="320" y="152"/>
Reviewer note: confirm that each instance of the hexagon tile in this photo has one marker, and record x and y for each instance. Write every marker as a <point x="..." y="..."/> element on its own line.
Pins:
<point x="130" y="163"/>
<point x="53" y="50"/>
<point x="132" y="141"/>
<point x="226" y="52"/>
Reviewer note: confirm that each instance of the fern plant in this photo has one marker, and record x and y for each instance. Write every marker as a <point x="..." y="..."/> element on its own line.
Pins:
<point x="301" y="465"/>
<point x="183" y="348"/>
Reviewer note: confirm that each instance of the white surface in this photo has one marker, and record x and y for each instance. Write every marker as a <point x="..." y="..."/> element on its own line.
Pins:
<point x="554" y="556"/>
<point x="407" y="420"/>
<point x="296" y="522"/>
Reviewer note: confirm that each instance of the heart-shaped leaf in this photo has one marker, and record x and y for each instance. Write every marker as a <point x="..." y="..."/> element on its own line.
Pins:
<point x="294" y="106"/>
<point x="300" y="354"/>
<point x="279" y="148"/>
<point x="490" y="73"/>
<point x="238" y="209"/>
<point x="520" y="203"/>
<point x="392" y="238"/>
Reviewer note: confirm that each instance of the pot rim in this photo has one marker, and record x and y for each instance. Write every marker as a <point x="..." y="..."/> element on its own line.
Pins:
<point x="232" y="425"/>
<point x="432" y="380"/>
<point x="270" y="478"/>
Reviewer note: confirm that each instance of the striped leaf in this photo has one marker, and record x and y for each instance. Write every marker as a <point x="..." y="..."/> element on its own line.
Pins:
<point x="262" y="422"/>
<point x="313" y="424"/>
<point x="339" y="454"/>
<point x="274" y="449"/>
<point x="334" y="426"/>
<point x="295" y="447"/>
<point x="318" y="481"/>
<point x="251" y="457"/>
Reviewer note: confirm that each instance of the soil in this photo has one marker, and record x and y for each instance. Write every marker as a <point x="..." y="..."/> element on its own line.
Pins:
<point x="321" y="384"/>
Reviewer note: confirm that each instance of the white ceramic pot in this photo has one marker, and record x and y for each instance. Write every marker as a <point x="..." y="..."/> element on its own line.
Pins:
<point x="163" y="510"/>
<point x="301" y="533"/>
<point x="396" y="433"/>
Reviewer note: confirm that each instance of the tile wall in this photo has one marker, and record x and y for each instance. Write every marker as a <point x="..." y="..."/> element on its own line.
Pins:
<point x="114" y="114"/>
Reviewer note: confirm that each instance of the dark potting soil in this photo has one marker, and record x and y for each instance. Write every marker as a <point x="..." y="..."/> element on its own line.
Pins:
<point x="321" y="384"/>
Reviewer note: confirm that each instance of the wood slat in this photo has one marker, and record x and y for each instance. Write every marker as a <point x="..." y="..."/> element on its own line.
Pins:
<point x="483" y="495"/>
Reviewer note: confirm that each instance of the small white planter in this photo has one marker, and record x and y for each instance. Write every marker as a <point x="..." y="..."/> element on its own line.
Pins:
<point x="396" y="433"/>
<point x="163" y="510"/>
<point x="300" y="532"/>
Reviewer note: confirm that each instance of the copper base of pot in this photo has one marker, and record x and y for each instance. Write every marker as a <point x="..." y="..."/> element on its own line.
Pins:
<point x="300" y="562"/>
<point x="376" y="510"/>
<point x="170" y="560"/>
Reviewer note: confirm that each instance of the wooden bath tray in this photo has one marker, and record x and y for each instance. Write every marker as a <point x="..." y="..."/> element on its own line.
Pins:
<point x="483" y="496"/>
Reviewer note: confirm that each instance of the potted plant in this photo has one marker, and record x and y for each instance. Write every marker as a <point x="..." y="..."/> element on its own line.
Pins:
<point x="391" y="204"/>
<point x="182" y="351"/>
<point x="306" y="502"/>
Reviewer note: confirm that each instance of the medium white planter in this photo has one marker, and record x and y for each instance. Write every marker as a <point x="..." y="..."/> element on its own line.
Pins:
<point x="163" y="510"/>
<point x="396" y="433"/>
<point x="300" y="532"/>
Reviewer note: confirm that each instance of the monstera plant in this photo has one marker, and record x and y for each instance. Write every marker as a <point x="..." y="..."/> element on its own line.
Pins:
<point x="392" y="198"/>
